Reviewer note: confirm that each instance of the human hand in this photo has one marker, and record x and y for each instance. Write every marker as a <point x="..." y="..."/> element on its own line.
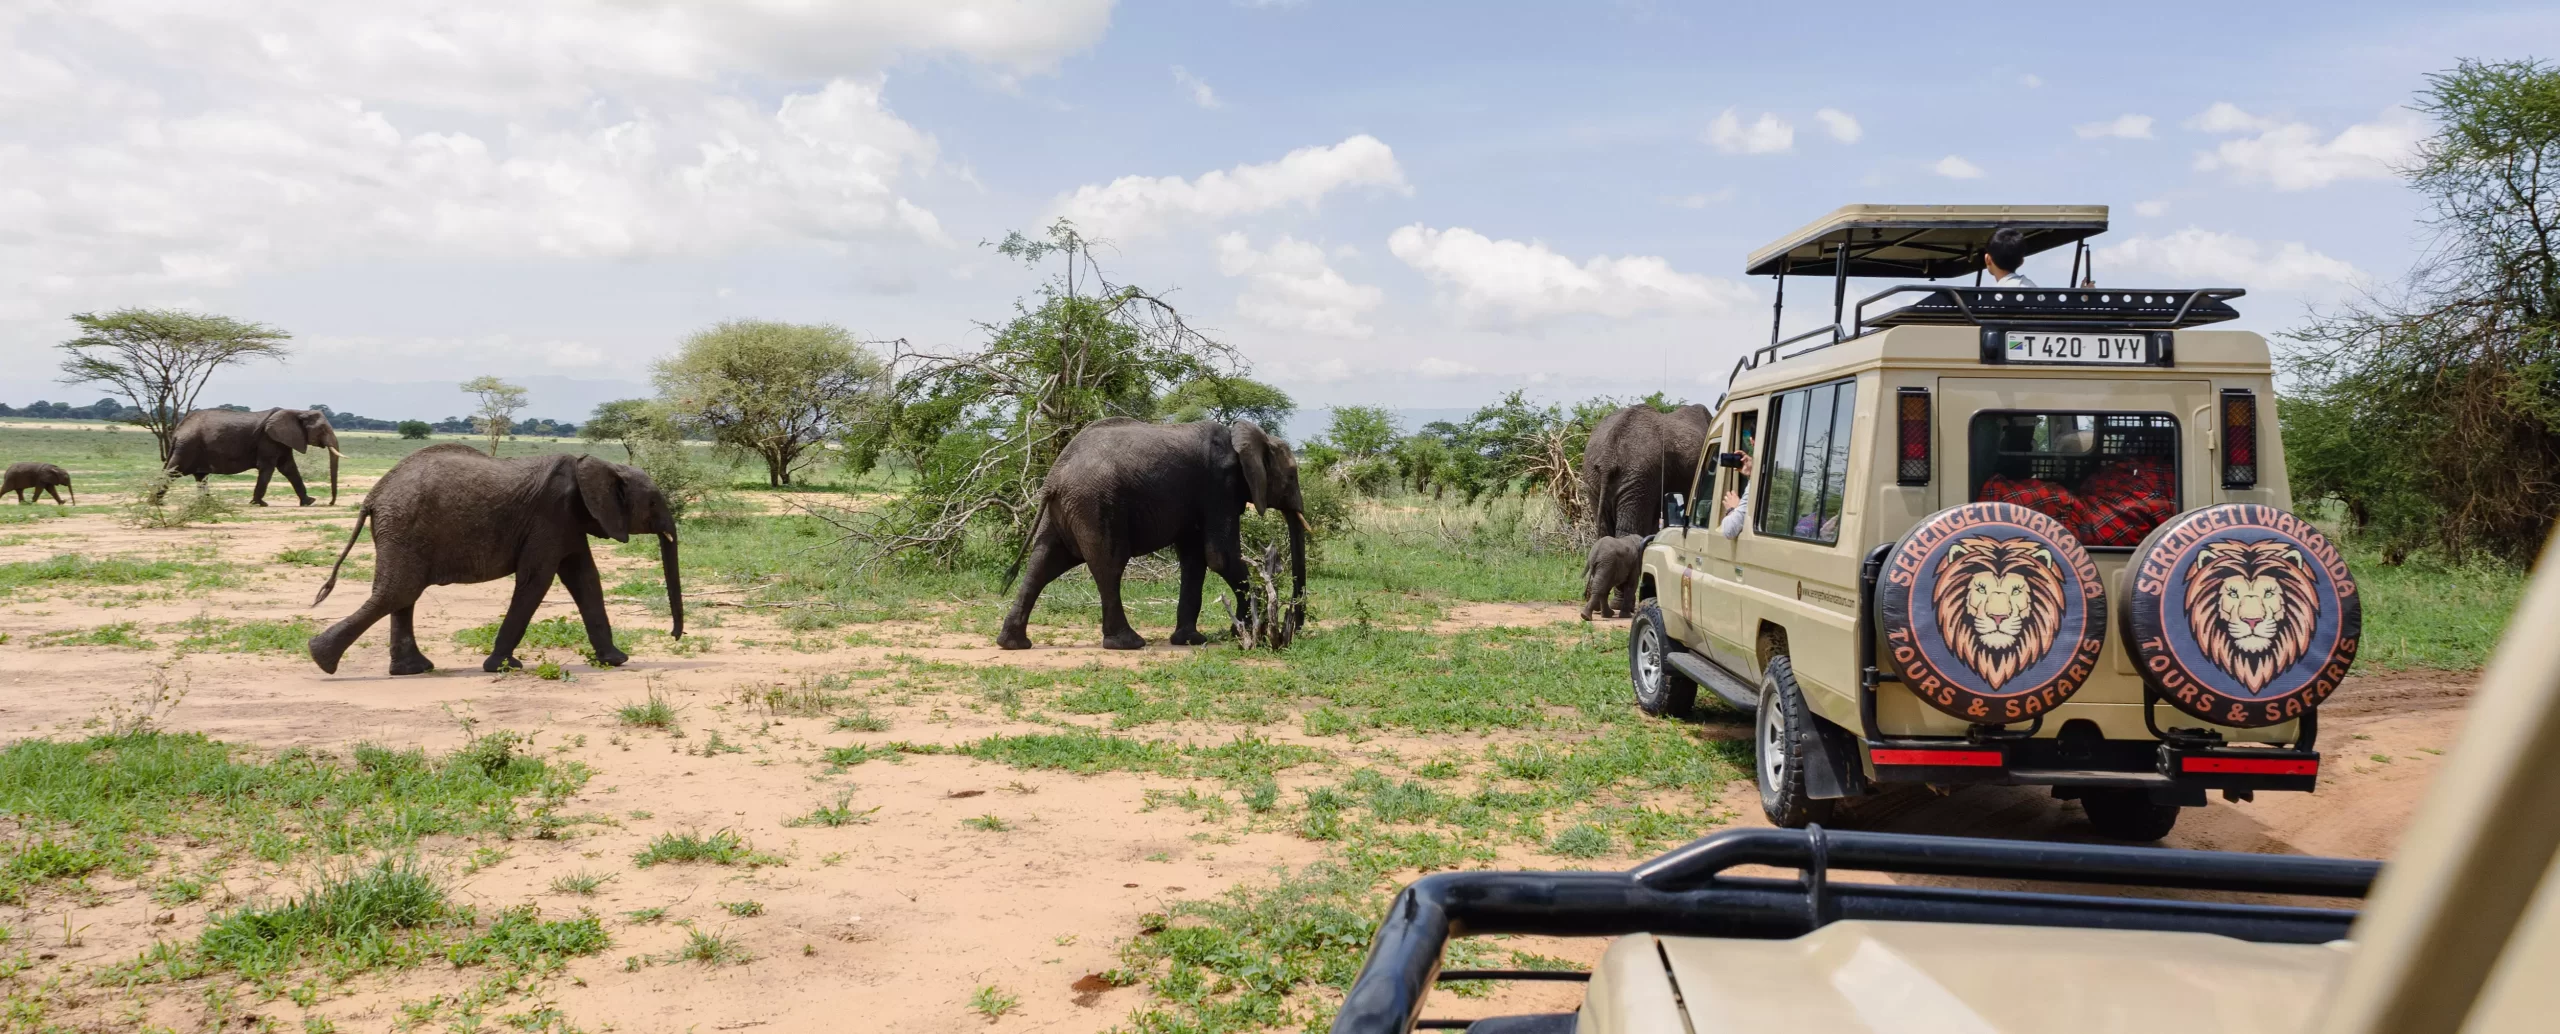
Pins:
<point x="1750" y="465"/>
<point x="1733" y="500"/>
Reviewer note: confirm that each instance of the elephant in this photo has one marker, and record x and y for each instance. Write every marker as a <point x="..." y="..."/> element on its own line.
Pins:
<point x="1634" y="455"/>
<point x="45" y="478"/>
<point x="450" y="514"/>
<point x="223" y="441"/>
<point x="1611" y="572"/>
<point x="1124" y="488"/>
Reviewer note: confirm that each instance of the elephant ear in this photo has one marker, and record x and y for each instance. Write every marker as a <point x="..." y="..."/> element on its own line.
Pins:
<point x="285" y="426"/>
<point x="1252" y="446"/>
<point x="600" y="489"/>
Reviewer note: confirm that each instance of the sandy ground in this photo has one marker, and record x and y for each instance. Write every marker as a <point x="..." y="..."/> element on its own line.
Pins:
<point x="887" y="926"/>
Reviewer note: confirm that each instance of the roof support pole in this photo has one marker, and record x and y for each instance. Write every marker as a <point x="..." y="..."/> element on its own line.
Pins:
<point x="1779" y="311"/>
<point x="1839" y="286"/>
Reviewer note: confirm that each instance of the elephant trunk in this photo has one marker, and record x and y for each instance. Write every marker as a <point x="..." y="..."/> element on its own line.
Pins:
<point x="333" y="475"/>
<point x="1297" y="568"/>
<point x="675" y="581"/>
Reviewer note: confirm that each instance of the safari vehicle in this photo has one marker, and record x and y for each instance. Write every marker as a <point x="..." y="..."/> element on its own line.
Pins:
<point x="2462" y="933"/>
<point x="2005" y="536"/>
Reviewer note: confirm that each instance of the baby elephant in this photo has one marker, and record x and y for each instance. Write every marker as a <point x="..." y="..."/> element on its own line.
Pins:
<point x="449" y="515"/>
<point x="1612" y="571"/>
<point x="45" y="478"/>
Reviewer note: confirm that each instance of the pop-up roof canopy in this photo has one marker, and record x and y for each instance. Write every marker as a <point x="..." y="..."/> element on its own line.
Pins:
<point x="1920" y="241"/>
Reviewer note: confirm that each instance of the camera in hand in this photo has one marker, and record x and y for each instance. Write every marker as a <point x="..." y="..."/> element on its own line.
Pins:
<point x="1729" y="459"/>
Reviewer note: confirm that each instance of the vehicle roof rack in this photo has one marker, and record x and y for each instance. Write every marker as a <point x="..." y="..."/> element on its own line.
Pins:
<point x="1925" y="242"/>
<point x="2135" y="308"/>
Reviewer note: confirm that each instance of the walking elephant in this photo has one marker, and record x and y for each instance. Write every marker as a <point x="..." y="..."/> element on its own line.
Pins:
<point x="1126" y="488"/>
<point x="1609" y="576"/>
<point x="1635" y="455"/>
<point x="223" y="441"/>
<point x="449" y="514"/>
<point x="45" y="478"/>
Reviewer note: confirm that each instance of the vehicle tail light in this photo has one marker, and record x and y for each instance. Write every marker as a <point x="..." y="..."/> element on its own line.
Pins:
<point x="2239" y="438"/>
<point x="1911" y="415"/>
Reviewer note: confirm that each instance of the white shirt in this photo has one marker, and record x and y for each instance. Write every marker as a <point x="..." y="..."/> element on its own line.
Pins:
<point x="1733" y="518"/>
<point x="2013" y="280"/>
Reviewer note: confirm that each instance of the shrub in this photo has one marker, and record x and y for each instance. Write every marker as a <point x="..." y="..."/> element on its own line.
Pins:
<point x="415" y="430"/>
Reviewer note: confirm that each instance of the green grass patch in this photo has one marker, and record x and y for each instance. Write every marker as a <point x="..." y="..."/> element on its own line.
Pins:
<point x="710" y="949"/>
<point x="215" y="635"/>
<point x="558" y="632"/>
<point x="836" y="815"/>
<point x="122" y="634"/>
<point x="653" y="713"/>
<point x="73" y="569"/>
<point x="725" y="847"/>
<point x="2427" y="613"/>
<point x="308" y="556"/>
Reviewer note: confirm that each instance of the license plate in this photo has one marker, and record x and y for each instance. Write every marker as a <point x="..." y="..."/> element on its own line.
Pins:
<point x="2089" y="349"/>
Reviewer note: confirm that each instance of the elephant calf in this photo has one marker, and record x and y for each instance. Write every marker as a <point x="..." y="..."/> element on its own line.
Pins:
<point x="449" y="514"/>
<point x="1611" y="571"/>
<point x="45" y="478"/>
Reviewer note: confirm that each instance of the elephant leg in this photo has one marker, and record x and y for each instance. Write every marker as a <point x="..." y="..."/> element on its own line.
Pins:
<point x="293" y="476"/>
<point x="1227" y="558"/>
<point x="1049" y="559"/>
<point x="22" y="497"/>
<point x="586" y="586"/>
<point x="1186" y="612"/>
<point x="57" y="495"/>
<point x="1116" y="631"/>
<point x="258" y="495"/>
<point x="406" y="658"/>
<point x="390" y="596"/>
<point x="533" y="582"/>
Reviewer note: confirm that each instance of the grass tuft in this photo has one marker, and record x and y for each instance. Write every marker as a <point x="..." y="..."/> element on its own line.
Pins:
<point x="725" y="847"/>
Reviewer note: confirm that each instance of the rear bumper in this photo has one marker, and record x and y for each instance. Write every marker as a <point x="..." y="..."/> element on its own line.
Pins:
<point x="2167" y="769"/>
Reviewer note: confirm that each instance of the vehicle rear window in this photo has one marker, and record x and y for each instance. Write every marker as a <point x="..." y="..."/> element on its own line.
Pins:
<point x="2109" y="477"/>
<point x="1807" y="469"/>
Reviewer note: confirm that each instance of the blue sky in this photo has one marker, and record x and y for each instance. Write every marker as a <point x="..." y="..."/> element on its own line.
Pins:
<point x="1402" y="204"/>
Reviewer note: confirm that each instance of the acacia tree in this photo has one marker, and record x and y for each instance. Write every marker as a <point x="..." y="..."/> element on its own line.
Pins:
<point x="983" y="426"/>
<point x="2433" y="414"/>
<point x="499" y="402"/>
<point x="1227" y="399"/>
<point x="776" y="390"/>
<point x="630" y="422"/>
<point x="159" y="359"/>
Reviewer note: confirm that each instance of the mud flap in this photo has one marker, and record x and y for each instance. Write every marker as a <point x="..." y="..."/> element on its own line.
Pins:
<point x="1831" y="768"/>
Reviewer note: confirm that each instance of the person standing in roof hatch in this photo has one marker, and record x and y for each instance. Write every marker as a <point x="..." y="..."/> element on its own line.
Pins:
<point x="2002" y="257"/>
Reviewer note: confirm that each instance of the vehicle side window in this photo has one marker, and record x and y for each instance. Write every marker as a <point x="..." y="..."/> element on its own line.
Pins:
<point x="1807" y="466"/>
<point x="1702" y="485"/>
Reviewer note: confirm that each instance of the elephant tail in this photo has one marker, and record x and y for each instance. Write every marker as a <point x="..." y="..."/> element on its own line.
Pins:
<point x="1038" y="513"/>
<point x="332" y="583"/>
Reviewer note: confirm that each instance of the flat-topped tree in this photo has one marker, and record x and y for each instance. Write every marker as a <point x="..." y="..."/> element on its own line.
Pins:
<point x="159" y="359"/>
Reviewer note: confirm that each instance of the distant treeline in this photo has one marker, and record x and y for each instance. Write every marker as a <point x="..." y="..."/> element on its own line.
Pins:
<point x="112" y="410"/>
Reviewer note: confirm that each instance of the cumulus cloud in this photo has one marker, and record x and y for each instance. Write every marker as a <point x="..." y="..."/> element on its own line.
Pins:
<point x="1507" y="281"/>
<point x="1134" y="205"/>
<point x="1200" y="92"/>
<point x="2299" y="156"/>
<point x="2152" y="209"/>
<point x="1712" y="197"/>
<point x="1292" y="288"/>
<point x="1840" y="125"/>
<point x="1954" y="167"/>
<point x="1438" y="369"/>
<point x="2205" y="258"/>
<point x="156" y="146"/>
<point x="1767" y="134"/>
<point x="2121" y="127"/>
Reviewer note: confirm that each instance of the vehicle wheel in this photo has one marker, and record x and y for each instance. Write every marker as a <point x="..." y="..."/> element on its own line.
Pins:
<point x="1782" y="738"/>
<point x="2128" y="815"/>
<point x="1660" y="688"/>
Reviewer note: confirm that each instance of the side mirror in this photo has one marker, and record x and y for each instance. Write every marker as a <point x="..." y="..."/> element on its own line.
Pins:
<point x="1675" y="510"/>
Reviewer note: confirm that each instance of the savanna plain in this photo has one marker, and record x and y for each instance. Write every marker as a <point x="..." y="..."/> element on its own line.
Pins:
<point x="835" y="805"/>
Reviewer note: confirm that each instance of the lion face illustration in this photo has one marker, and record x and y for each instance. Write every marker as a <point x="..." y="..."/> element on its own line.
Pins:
<point x="2252" y="607"/>
<point x="1999" y="604"/>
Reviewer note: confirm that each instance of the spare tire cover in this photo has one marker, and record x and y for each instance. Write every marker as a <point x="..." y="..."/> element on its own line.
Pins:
<point x="1992" y="612"/>
<point x="2241" y="614"/>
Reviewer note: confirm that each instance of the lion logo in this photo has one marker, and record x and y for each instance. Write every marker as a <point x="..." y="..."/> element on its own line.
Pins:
<point x="1999" y="604"/>
<point x="2252" y="606"/>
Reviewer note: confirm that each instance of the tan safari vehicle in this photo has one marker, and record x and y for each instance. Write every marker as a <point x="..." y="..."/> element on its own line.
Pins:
<point x="2033" y="536"/>
<point x="2461" y="936"/>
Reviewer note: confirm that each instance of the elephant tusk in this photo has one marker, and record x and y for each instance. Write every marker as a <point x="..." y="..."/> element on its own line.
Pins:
<point x="333" y="450"/>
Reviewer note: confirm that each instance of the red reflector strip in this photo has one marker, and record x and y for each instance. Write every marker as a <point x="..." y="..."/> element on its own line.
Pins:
<point x="2252" y="766"/>
<point x="1963" y="758"/>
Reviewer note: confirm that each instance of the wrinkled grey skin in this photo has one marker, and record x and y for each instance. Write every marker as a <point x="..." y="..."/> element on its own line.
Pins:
<point x="449" y="514"/>
<point x="1635" y="455"/>
<point x="1609" y="576"/>
<point x="219" y="441"/>
<point x="1126" y="488"/>
<point x="45" y="478"/>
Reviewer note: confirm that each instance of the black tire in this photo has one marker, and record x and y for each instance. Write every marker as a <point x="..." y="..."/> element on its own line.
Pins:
<point x="1782" y="733"/>
<point x="2128" y="815"/>
<point x="1660" y="688"/>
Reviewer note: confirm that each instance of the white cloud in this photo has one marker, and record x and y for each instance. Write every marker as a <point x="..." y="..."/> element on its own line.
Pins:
<point x="1767" y="134"/>
<point x="2121" y="127"/>
<point x="1134" y="205"/>
<point x="1439" y="369"/>
<point x="2031" y="81"/>
<point x="2152" y="209"/>
<point x="1954" y="167"/>
<point x="202" y="144"/>
<point x="1200" y="92"/>
<point x="2204" y="258"/>
<point x="1840" y="125"/>
<point x="1291" y="288"/>
<point x="2298" y="156"/>
<point x="1507" y="281"/>
<point x="1713" y="197"/>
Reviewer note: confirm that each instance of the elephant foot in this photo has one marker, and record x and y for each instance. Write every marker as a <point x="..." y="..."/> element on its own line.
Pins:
<point x="611" y="658"/>
<point x="309" y="500"/>
<point x="325" y="655"/>
<point x="1187" y="637"/>
<point x="412" y="665"/>
<point x="257" y="502"/>
<point x="1124" y="641"/>
<point x="1586" y="614"/>
<point x="1013" y="637"/>
<point x="498" y="663"/>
